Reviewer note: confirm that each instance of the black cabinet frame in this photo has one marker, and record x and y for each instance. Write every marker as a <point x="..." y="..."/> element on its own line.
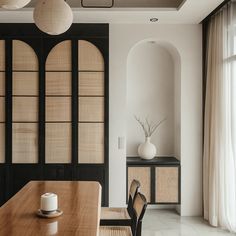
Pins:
<point x="152" y="164"/>
<point x="15" y="176"/>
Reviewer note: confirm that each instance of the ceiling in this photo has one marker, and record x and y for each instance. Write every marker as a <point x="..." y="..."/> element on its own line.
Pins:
<point x="167" y="11"/>
<point x="124" y="3"/>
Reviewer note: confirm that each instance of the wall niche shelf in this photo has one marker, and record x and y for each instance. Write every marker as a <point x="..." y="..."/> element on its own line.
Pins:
<point x="159" y="178"/>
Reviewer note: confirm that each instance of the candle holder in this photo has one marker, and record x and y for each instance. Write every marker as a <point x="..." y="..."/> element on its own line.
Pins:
<point x="49" y="206"/>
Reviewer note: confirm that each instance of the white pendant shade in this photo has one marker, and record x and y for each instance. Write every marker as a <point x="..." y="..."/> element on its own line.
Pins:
<point x="13" y="4"/>
<point x="53" y="16"/>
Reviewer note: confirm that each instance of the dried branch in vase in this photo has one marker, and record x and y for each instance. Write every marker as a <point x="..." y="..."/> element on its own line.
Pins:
<point x="149" y="127"/>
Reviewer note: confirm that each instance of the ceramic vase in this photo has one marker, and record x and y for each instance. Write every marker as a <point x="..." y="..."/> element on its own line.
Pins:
<point x="147" y="150"/>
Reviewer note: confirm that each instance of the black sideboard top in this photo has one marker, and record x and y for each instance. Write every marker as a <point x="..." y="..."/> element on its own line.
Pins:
<point x="155" y="161"/>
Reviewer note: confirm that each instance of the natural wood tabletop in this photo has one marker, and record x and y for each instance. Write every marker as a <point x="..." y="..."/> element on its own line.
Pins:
<point x="80" y="202"/>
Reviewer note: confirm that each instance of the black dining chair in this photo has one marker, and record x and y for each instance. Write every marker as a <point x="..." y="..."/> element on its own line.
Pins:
<point x="140" y="205"/>
<point x="120" y="216"/>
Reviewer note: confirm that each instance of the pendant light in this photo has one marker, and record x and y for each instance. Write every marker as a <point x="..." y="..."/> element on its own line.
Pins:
<point x="13" y="4"/>
<point x="53" y="16"/>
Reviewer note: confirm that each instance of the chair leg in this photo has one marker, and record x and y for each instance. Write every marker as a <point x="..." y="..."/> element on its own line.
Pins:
<point x="139" y="229"/>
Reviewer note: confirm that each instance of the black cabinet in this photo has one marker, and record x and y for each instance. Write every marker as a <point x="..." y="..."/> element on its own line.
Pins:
<point x="159" y="178"/>
<point x="54" y="100"/>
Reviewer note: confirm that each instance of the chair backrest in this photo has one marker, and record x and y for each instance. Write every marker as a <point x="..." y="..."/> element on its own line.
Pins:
<point x="140" y="205"/>
<point x="134" y="188"/>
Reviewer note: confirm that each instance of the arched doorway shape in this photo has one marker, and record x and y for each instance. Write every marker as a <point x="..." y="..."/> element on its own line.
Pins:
<point x="154" y="91"/>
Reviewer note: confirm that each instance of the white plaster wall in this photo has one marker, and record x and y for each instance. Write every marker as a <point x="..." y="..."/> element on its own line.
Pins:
<point x="177" y="98"/>
<point x="150" y="93"/>
<point x="187" y="41"/>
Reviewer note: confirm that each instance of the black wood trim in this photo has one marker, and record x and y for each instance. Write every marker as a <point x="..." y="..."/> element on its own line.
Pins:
<point x="8" y="116"/>
<point x="74" y="102"/>
<point x="157" y="161"/>
<point x="41" y="125"/>
<point x="76" y="31"/>
<point x="8" y="102"/>
<point x="104" y="48"/>
<point x="153" y="183"/>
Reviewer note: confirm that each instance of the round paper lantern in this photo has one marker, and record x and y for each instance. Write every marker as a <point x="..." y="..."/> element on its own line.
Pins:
<point x="53" y="16"/>
<point x="13" y="4"/>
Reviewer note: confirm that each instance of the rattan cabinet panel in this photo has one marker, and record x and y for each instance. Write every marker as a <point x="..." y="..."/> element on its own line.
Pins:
<point x="143" y="175"/>
<point x="160" y="178"/>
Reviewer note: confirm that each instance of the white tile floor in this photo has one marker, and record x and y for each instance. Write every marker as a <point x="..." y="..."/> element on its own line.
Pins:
<point x="169" y="223"/>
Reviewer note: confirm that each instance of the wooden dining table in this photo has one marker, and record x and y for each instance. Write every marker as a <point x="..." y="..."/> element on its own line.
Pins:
<point x="80" y="202"/>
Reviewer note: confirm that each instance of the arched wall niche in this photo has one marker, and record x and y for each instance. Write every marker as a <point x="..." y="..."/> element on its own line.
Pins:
<point x="154" y="91"/>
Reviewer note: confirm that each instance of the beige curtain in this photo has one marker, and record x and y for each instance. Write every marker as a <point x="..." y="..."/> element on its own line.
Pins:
<point x="219" y="173"/>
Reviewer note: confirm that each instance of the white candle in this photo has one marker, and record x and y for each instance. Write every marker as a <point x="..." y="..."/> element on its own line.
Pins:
<point x="49" y="202"/>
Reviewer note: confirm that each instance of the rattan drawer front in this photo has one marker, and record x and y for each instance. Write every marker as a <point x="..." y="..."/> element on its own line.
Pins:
<point x="167" y="184"/>
<point x="143" y="175"/>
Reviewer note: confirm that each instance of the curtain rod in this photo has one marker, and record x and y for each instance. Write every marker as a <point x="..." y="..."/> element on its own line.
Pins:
<point x="215" y="11"/>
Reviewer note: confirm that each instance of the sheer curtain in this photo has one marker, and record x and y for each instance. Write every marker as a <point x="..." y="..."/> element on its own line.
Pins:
<point x="219" y="173"/>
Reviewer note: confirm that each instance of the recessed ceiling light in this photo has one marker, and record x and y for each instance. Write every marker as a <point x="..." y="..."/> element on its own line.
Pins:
<point x="154" y="19"/>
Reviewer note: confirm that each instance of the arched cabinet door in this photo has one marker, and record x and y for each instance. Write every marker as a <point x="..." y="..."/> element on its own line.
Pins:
<point x="58" y="137"/>
<point x="91" y="103"/>
<point x="2" y="101"/>
<point x="25" y="80"/>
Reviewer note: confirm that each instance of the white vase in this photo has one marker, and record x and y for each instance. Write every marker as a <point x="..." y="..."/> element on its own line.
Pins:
<point x="147" y="150"/>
